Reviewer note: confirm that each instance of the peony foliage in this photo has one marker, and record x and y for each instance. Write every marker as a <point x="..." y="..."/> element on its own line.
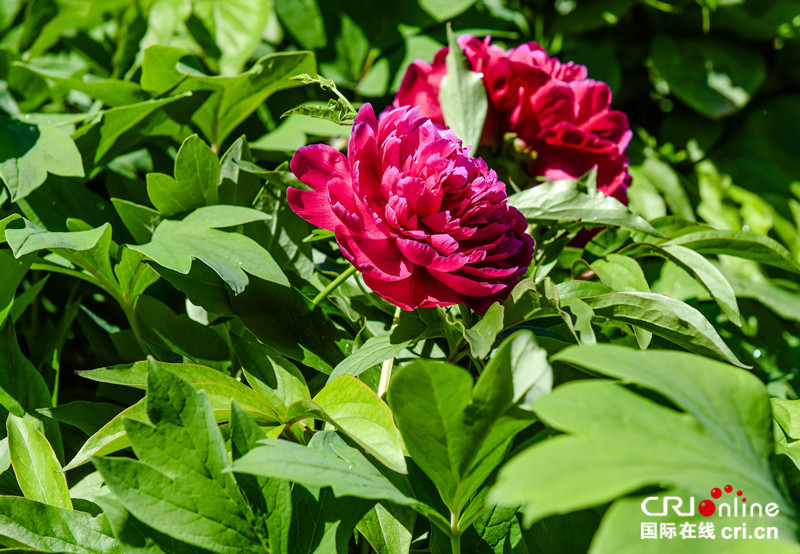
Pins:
<point x="433" y="277"/>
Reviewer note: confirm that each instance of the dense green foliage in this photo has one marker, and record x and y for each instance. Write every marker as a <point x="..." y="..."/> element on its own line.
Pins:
<point x="187" y="366"/>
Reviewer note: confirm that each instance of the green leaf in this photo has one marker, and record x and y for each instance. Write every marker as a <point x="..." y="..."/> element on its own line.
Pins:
<point x="89" y="417"/>
<point x="661" y="176"/>
<point x="35" y="464"/>
<point x="29" y="152"/>
<point x="110" y="438"/>
<point x="462" y="96"/>
<point x="112" y="92"/>
<point x="571" y="201"/>
<point x="481" y="336"/>
<point x="326" y="462"/>
<point x="455" y="436"/>
<point x="134" y="275"/>
<point x="617" y="441"/>
<point x="181" y="486"/>
<point x="11" y="274"/>
<point x="94" y="245"/>
<point x="231" y="99"/>
<point x="666" y="317"/>
<point x="195" y="184"/>
<point x="51" y="529"/>
<point x="219" y="387"/>
<point x="22" y="388"/>
<point x="388" y="528"/>
<point x="357" y="410"/>
<point x="704" y="271"/>
<point x="141" y="221"/>
<point x="237" y="187"/>
<point x="235" y="27"/>
<point x="750" y="246"/>
<point x="714" y="77"/>
<point x="176" y="243"/>
<point x="621" y="273"/>
<point x="271" y="375"/>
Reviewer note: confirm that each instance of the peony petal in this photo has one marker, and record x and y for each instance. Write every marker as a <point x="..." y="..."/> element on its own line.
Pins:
<point x="313" y="207"/>
<point x="317" y="164"/>
<point x="423" y="254"/>
<point x="467" y="286"/>
<point x="379" y="258"/>
<point x="419" y="290"/>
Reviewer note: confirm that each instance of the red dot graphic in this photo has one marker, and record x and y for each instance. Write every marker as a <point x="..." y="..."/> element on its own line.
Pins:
<point x="706" y="508"/>
<point x="739" y="493"/>
<point x="744" y="500"/>
<point x="728" y="488"/>
<point x="716" y="493"/>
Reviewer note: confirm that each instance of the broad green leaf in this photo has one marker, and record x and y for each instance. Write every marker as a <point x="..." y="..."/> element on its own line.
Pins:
<point x="388" y="528"/>
<point x="29" y="152"/>
<point x="141" y="221"/>
<point x="456" y="436"/>
<point x="303" y="19"/>
<point x="661" y="176"/>
<point x="462" y="95"/>
<point x="112" y="92"/>
<point x="271" y="375"/>
<point x="35" y="464"/>
<point x="326" y="462"/>
<point x="235" y="28"/>
<point x="742" y="244"/>
<point x="236" y="186"/>
<point x="89" y="248"/>
<point x="330" y="521"/>
<point x="219" y="387"/>
<point x="526" y="362"/>
<point x="110" y="438"/>
<point x="714" y="77"/>
<point x="195" y="183"/>
<point x="621" y="273"/>
<point x="134" y="276"/>
<point x="443" y="10"/>
<point x="119" y="127"/>
<point x="384" y="346"/>
<point x="176" y="243"/>
<point x="666" y="317"/>
<point x="11" y="274"/>
<point x="481" y="336"/>
<point x="721" y="414"/>
<point x="181" y="486"/>
<point x="89" y="417"/>
<point x="704" y="271"/>
<point x="185" y="508"/>
<point x="4" y="223"/>
<point x="285" y="320"/>
<point x="358" y="411"/>
<point x="50" y="529"/>
<point x="22" y="387"/>
<point x="231" y="99"/>
<point x="268" y="498"/>
<point x="571" y="201"/>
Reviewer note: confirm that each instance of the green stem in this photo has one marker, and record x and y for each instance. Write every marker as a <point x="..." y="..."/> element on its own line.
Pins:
<point x="455" y="534"/>
<point x="386" y="368"/>
<point x="334" y="284"/>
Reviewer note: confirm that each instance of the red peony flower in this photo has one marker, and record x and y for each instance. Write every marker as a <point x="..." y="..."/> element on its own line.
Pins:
<point x="561" y="115"/>
<point x="426" y="224"/>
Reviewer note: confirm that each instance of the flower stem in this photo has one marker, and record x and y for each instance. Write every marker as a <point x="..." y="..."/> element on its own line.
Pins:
<point x="342" y="277"/>
<point x="455" y="534"/>
<point x="386" y="368"/>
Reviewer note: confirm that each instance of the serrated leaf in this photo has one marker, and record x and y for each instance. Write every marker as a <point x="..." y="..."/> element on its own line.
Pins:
<point x="176" y="243"/>
<point x="35" y="464"/>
